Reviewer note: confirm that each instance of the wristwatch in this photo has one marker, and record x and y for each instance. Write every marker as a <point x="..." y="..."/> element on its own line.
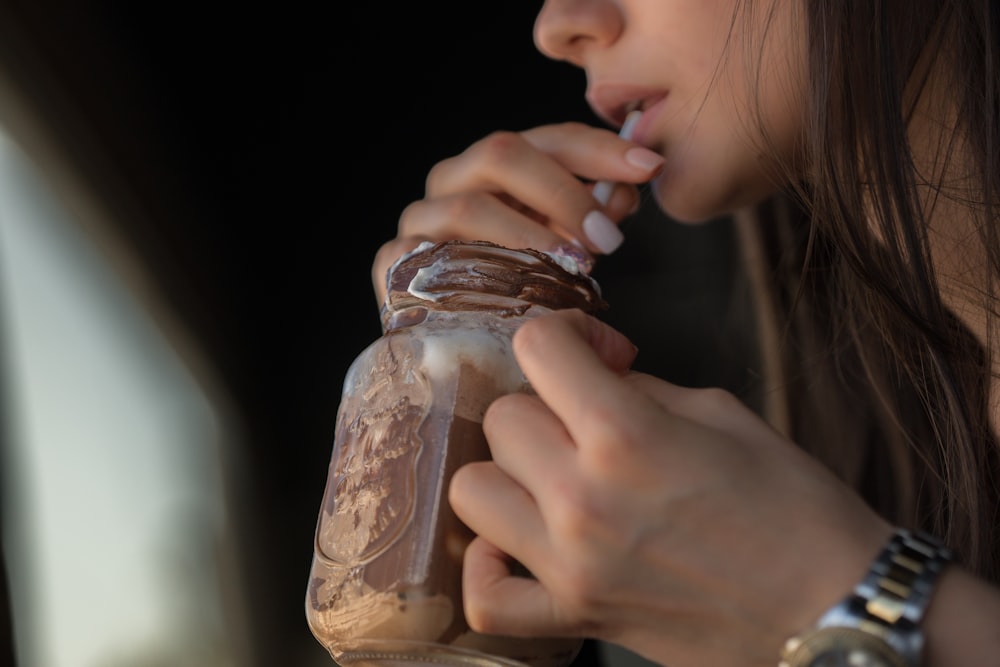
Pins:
<point x="878" y="625"/>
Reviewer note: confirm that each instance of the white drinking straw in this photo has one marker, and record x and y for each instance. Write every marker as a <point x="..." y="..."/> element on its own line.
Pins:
<point x="603" y="189"/>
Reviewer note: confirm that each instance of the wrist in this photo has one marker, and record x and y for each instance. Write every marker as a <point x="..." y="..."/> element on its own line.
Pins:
<point x="961" y="626"/>
<point x="879" y="622"/>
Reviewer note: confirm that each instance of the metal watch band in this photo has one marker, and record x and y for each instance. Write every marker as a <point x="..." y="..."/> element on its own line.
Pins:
<point x="886" y="608"/>
<point x="899" y="584"/>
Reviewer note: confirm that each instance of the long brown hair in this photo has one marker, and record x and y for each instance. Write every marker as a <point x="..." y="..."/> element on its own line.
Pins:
<point x="881" y="380"/>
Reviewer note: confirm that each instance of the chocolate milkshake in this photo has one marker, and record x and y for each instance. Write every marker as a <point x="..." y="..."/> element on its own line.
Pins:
<point x="385" y="584"/>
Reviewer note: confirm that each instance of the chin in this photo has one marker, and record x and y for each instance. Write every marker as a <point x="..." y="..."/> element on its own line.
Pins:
<point x="685" y="203"/>
<point x="695" y="203"/>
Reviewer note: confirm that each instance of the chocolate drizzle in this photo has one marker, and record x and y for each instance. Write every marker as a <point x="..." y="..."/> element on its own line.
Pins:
<point x="479" y="275"/>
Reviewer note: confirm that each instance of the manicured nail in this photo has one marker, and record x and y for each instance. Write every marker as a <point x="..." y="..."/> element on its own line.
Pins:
<point x="603" y="233"/>
<point x="644" y="158"/>
<point x="577" y="256"/>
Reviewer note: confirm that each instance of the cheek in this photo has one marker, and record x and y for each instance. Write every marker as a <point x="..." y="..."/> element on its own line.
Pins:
<point x="741" y="143"/>
<point x="716" y="169"/>
<point x="732" y="156"/>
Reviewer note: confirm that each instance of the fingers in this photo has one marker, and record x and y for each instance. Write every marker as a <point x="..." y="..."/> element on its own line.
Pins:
<point x="485" y="498"/>
<point x="529" y="444"/>
<point x="510" y="530"/>
<point x="506" y="162"/>
<point x="564" y="351"/>
<point x="587" y="335"/>
<point x="711" y="407"/>
<point x="575" y="363"/>
<point x="588" y="152"/>
<point x="498" y="603"/>
<point x="478" y="216"/>
<point x="542" y="169"/>
<point x="527" y="190"/>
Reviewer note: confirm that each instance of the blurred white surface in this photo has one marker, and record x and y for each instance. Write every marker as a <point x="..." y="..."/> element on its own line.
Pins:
<point x="112" y="480"/>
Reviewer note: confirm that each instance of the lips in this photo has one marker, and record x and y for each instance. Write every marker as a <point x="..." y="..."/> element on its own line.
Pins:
<point x="612" y="102"/>
<point x="644" y="130"/>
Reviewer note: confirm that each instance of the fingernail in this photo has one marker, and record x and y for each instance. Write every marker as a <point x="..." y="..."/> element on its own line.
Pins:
<point x="644" y="158"/>
<point x="576" y="254"/>
<point x="603" y="233"/>
<point x="602" y="191"/>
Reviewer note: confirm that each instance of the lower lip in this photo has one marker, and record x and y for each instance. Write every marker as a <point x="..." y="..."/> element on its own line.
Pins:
<point x="643" y="128"/>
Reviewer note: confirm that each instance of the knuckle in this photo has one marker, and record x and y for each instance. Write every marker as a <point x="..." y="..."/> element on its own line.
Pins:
<point x="528" y="334"/>
<point x="479" y="616"/>
<point x="572" y="516"/>
<point x="715" y="401"/>
<point x="572" y="127"/>
<point x="407" y="217"/>
<point x="539" y="329"/>
<point x="460" y="484"/>
<point x="467" y="206"/>
<point x="437" y="175"/>
<point x="605" y="454"/>
<point x="499" y="146"/>
<point x="580" y="586"/>
<point x="444" y="217"/>
<point x="601" y="423"/>
<point x="498" y="412"/>
<point x="523" y="238"/>
<point x="607" y="436"/>
<point x="565" y="194"/>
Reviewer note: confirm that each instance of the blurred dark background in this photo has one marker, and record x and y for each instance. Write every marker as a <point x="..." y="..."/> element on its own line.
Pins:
<point x="259" y="153"/>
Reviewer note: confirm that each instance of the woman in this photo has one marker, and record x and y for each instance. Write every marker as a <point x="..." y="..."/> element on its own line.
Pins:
<point x="857" y="143"/>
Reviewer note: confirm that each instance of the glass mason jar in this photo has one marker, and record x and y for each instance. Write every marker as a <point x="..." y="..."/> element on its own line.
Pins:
<point x="385" y="583"/>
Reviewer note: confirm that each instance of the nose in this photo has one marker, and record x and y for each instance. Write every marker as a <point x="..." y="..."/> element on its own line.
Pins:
<point x="568" y="29"/>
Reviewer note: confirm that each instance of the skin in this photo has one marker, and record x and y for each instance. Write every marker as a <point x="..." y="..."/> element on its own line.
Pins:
<point x="709" y="70"/>
<point x="672" y="521"/>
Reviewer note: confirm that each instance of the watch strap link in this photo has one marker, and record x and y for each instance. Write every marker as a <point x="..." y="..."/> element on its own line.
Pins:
<point x="899" y="583"/>
<point x="882" y="615"/>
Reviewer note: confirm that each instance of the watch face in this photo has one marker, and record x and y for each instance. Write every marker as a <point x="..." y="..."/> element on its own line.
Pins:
<point x="841" y="647"/>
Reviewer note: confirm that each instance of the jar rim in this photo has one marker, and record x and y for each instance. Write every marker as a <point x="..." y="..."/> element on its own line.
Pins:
<point x="481" y="275"/>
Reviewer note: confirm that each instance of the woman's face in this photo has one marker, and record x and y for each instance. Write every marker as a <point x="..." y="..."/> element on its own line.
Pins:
<point x="711" y="87"/>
